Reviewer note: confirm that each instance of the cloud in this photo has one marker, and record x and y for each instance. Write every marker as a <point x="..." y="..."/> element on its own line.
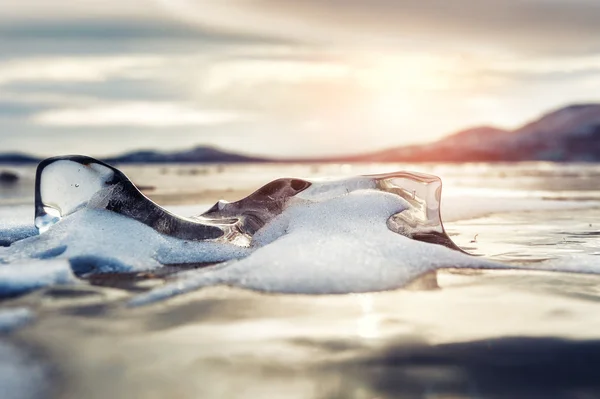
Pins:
<point x="285" y="77"/>
<point x="135" y="114"/>
<point x="118" y="88"/>
<point x="123" y="29"/>
<point x="522" y="26"/>
<point x="10" y="109"/>
<point x="530" y="26"/>
<point x="69" y="69"/>
<point x="52" y="37"/>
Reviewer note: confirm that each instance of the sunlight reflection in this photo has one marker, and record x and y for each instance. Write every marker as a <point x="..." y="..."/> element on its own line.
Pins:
<point x="368" y="324"/>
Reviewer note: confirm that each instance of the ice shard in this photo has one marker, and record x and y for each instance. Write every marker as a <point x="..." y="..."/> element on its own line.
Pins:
<point x="422" y="219"/>
<point x="67" y="184"/>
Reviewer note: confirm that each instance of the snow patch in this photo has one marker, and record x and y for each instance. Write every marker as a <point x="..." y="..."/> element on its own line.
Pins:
<point x="19" y="278"/>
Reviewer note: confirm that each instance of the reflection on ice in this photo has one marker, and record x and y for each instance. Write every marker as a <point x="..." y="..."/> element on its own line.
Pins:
<point x="368" y="322"/>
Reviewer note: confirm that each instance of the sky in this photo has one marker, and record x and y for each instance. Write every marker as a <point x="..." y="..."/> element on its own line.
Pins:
<point x="284" y="77"/>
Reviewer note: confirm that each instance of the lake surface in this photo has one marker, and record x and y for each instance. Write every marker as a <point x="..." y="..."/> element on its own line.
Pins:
<point x="471" y="334"/>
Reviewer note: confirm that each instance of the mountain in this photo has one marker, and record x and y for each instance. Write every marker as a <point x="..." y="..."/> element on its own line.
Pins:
<point x="568" y="134"/>
<point x="195" y="155"/>
<point x="472" y="145"/>
<point x="16" y="158"/>
<point x="199" y="154"/>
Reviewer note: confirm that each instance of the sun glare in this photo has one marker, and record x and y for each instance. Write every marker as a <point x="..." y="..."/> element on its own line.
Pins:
<point x="409" y="73"/>
<point x="397" y="84"/>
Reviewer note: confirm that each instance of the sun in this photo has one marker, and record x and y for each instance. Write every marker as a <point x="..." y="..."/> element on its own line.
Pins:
<point x="399" y="85"/>
<point x="415" y="72"/>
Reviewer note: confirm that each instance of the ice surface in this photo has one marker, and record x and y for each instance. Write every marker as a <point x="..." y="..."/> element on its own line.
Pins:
<point x="469" y="207"/>
<point x="21" y="375"/>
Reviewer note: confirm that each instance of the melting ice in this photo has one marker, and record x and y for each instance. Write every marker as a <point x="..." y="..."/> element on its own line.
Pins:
<point x="366" y="233"/>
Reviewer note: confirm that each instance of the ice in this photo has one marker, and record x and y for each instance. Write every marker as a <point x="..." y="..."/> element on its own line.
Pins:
<point x="470" y="206"/>
<point x="96" y="240"/>
<point x="337" y="246"/>
<point x="320" y="236"/>
<point x="19" y="278"/>
<point x="65" y="185"/>
<point x="91" y="214"/>
<point x="418" y="218"/>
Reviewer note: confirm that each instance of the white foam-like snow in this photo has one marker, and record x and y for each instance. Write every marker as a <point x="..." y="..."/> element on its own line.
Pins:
<point x="337" y="246"/>
<point x="109" y="242"/>
<point x="460" y="207"/>
<point x="16" y="223"/>
<point x="455" y="208"/>
<point x="14" y="318"/>
<point x="19" y="278"/>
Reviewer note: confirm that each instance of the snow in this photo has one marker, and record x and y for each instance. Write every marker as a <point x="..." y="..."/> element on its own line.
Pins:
<point x="16" y="223"/>
<point x="337" y="246"/>
<point x="331" y="238"/>
<point x="109" y="242"/>
<point x="14" y="318"/>
<point x="19" y="278"/>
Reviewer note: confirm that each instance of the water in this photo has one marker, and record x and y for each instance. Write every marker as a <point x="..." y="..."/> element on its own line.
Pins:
<point x="474" y="334"/>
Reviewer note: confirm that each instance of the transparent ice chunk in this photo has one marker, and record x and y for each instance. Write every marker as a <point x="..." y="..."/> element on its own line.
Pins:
<point x="317" y="236"/>
<point x="67" y="184"/>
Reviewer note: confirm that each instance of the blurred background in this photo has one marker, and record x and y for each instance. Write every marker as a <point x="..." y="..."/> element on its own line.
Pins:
<point x="300" y="79"/>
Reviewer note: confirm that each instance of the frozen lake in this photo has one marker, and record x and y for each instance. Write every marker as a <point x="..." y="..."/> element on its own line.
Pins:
<point x="474" y="334"/>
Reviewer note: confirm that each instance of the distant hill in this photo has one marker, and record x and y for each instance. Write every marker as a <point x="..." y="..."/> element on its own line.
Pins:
<point x="568" y="134"/>
<point x="201" y="154"/>
<point x="195" y="155"/>
<point x="16" y="158"/>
